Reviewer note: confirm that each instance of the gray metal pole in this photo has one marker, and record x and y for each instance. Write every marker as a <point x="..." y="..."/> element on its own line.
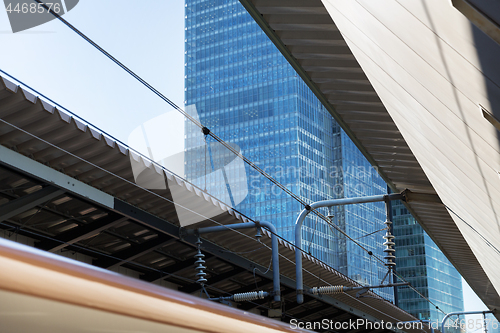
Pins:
<point x="274" y="246"/>
<point x="319" y="204"/>
<point x="461" y="313"/>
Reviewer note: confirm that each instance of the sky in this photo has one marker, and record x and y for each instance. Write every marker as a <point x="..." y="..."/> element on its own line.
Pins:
<point x="146" y="36"/>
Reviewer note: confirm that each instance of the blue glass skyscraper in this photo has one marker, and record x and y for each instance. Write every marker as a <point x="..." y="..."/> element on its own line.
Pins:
<point x="421" y="263"/>
<point x="245" y="91"/>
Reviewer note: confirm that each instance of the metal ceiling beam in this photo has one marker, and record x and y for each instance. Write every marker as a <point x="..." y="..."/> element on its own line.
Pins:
<point x="213" y="280"/>
<point x="44" y="173"/>
<point x="173" y="269"/>
<point x="39" y="236"/>
<point x="294" y="304"/>
<point x="342" y="98"/>
<point x="82" y="232"/>
<point x="26" y="202"/>
<point x="312" y="311"/>
<point x="170" y="255"/>
<point x="338" y="314"/>
<point x="132" y="252"/>
<point x="422" y="197"/>
<point x="66" y="215"/>
<point x="13" y="229"/>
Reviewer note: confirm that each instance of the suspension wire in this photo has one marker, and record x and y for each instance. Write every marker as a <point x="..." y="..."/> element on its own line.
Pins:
<point x="23" y="224"/>
<point x="171" y="103"/>
<point x="398" y="275"/>
<point x="121" y="65"/>
<point x="474" y="229"/>
<point x="155" y="194"/>
<point x="213" y="135"/>
<point x="206" y="174"/>
<point x="197" y="123"/>
<point x="257" y="269"/>
<point x="371" y="271"/>
<point x="371" y="233"/>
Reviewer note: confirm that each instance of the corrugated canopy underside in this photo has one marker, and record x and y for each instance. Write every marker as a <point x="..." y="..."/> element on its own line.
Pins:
<point x="51" y="137"/>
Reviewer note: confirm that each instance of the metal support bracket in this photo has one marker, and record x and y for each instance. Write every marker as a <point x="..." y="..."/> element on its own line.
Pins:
<point x="274" y="247"/>
<point x="326" y="203"/>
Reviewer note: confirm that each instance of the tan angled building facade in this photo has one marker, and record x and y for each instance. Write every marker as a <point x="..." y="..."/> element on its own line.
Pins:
<point x="416" y="84"/>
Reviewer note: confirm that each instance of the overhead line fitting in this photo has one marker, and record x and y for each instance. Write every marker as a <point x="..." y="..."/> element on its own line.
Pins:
<point x="250" y="296"/>
<point x="332" y="290"/>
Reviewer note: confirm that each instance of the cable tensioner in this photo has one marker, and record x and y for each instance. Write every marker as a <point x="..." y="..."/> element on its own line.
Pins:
<point x="250" y="296"/>
<point x="327" y="290"/>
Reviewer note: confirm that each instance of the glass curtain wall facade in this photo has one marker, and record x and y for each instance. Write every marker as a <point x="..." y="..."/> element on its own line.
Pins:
<point x="244" y="90"/>
<point x="422" y="264"/>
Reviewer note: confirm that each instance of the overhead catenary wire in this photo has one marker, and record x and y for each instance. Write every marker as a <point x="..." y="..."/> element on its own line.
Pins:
<point x="60" y="107"/>
<point x="371" y="233"/>
<point x="192" y="119"/>
<point x="395" y="273"/>
<point x="380" y="261"/>
<point x="197" y="123"/>
<point x="134" y="184"/>
<point x="474" y="229"/>
<point x="206" y="131"/>
<point x="116" y="61"/>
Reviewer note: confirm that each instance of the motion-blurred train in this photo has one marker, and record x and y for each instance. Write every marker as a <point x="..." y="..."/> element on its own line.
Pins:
<point x="45" y="293"/>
